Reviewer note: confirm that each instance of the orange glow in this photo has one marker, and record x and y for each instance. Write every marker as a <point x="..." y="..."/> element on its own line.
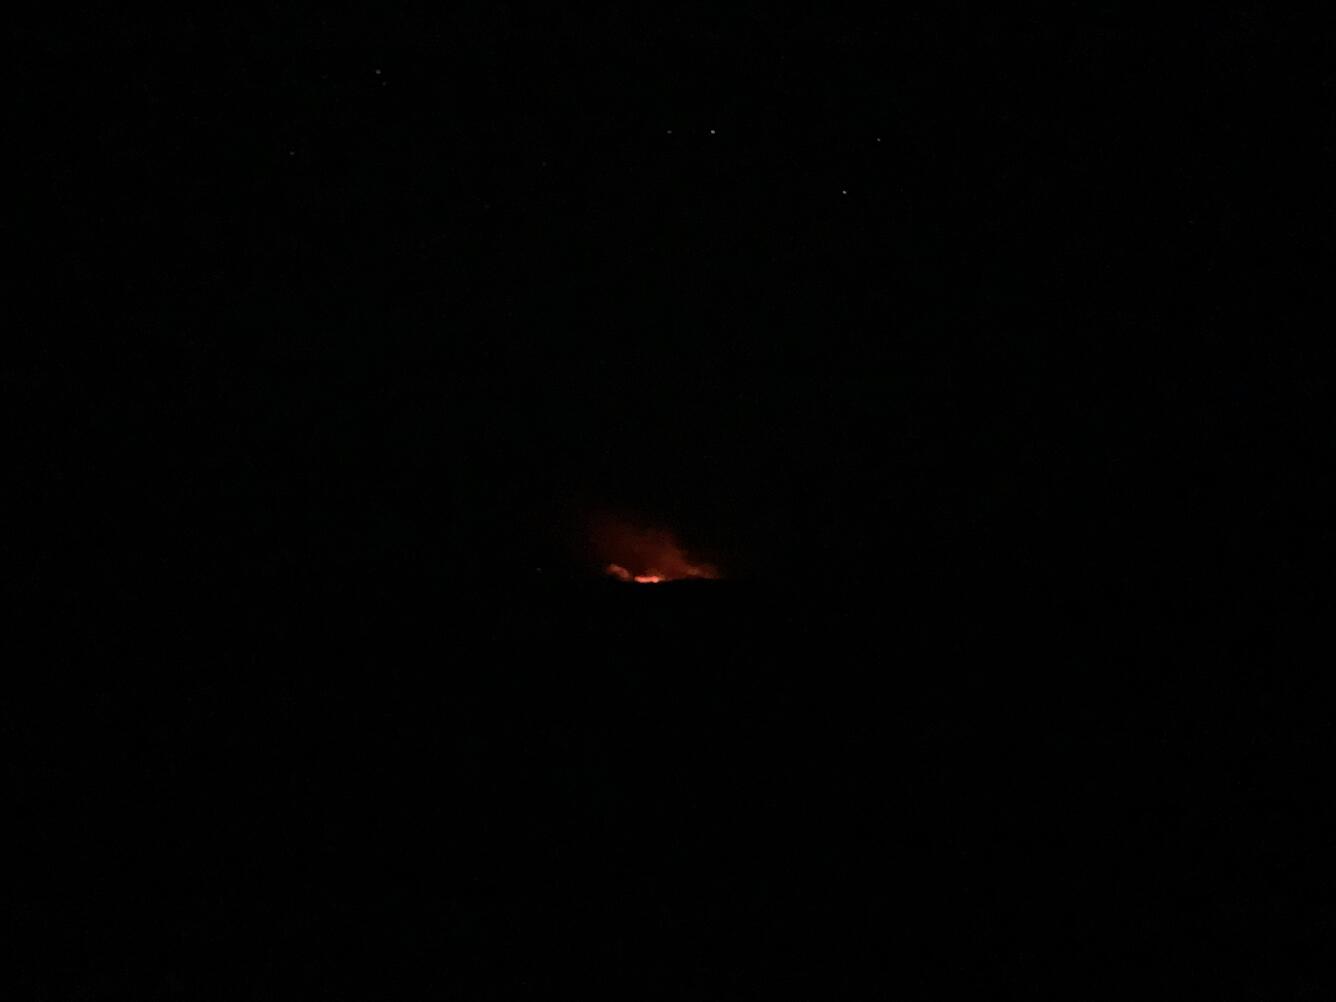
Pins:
<point x="646" y="556"/>
<point x="622" y="574"/>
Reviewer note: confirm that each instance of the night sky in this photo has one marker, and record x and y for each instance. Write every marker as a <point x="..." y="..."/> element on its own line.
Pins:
<point x="974" y="367"/>
<point x="819" y="293"/>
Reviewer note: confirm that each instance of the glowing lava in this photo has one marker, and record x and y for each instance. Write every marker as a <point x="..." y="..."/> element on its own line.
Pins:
<point x="646" y="556"/>
<point x="622" y="574"/>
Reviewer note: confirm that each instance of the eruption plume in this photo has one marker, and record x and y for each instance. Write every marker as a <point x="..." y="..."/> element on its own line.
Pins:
<point x="646" y="555"/>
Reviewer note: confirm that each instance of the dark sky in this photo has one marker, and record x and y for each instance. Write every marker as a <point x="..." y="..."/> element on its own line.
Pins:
<point x="825" y="296"/>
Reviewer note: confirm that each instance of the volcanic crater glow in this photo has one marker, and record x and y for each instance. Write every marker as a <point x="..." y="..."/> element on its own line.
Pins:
<point x="646" y="555"/>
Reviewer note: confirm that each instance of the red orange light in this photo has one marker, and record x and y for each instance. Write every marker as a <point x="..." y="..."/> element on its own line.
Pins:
<point x="646" y="556"/>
